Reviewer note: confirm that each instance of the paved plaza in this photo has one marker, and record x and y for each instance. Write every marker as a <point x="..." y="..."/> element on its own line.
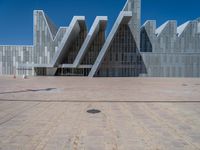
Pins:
<point x="72" y="113"/>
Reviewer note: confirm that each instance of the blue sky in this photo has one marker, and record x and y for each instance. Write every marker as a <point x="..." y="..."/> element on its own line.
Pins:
<point x="16" y="26"/>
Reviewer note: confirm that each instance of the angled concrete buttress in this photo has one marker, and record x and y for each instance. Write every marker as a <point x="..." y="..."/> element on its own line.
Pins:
<point x="99" y="23"/>
<point x="70" y="35"/>
<point x="123" y="18"/>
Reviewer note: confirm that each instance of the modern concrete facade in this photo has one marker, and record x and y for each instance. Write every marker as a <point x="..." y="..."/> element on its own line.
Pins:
<point x="171" y="51"/>
<point x="129" y="50"/>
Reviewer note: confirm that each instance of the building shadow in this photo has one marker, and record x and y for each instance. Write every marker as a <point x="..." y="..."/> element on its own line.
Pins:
<point x="28" y="90"/>
<point x="145" y="43"/>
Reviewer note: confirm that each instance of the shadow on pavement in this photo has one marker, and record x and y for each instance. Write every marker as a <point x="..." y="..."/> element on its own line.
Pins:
<point x="28" y="90"/>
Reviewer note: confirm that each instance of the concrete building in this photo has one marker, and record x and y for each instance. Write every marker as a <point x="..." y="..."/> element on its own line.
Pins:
<point x="129" y="50"/>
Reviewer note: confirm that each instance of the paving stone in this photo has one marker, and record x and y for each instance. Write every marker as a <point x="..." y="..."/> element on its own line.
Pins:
<point x="61" y="121"/>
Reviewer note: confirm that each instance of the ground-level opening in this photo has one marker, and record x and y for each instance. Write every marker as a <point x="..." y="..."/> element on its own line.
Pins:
<point x="62" y="71"/>
<point x="72" y="71"/>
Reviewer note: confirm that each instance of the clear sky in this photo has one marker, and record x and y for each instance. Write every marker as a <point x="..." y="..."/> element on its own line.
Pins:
<point x="16" y="25"/>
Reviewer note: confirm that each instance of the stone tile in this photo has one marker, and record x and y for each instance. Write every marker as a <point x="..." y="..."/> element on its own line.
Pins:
<point x="125" y="125"/>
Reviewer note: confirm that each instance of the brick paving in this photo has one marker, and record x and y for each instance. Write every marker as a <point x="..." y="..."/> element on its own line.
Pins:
<point x="136" y="113"/>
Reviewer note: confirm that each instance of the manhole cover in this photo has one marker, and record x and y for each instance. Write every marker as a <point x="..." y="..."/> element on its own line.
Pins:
<point x="93" y="111"/>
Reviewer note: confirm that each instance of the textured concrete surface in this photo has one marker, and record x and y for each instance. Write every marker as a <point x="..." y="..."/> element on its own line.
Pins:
<point x="136" y="113"/>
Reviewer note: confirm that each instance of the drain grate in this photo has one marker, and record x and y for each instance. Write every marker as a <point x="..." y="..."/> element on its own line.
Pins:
<point x="93" y="111"/>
